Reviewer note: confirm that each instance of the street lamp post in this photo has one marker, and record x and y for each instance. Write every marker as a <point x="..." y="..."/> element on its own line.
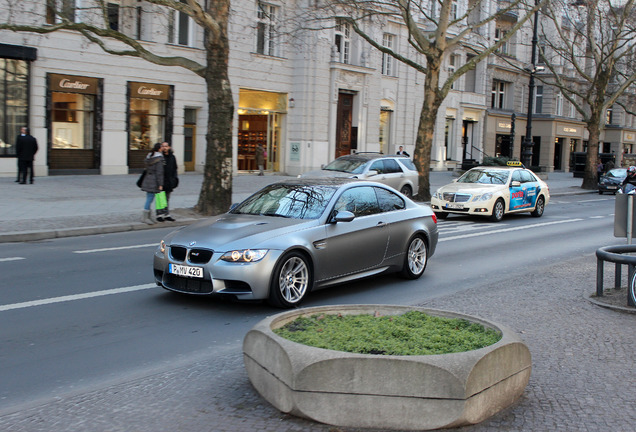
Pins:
<point x="527" y="143"/>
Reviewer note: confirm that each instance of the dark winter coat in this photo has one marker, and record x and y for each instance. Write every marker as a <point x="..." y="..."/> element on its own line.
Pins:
<point x="170" y="178"/>
<point x="26" y="147"/>
<point x="154" y="173"/>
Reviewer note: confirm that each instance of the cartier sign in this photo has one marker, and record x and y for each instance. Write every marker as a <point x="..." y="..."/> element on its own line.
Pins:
<point x="73" y="84"/>
<point x="149" y="91"/>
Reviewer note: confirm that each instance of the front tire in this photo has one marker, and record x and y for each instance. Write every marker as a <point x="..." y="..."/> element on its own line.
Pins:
<point x="415" y="259"/>
<point x="498" y="211"/>
<point x="291" y="281"/>
<point x="539" y="207"/>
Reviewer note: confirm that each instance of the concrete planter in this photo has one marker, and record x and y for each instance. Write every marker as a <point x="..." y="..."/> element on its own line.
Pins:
<point x="380" y="391"/>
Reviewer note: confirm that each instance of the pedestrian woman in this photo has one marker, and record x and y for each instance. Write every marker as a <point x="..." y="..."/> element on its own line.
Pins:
<point x="260" y="158"/>
<point x="153" y="180"/>
<point x="170" y="179"/>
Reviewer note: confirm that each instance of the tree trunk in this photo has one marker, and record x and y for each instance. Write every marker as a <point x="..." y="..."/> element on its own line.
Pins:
<point x="590" y="178"/>
<point x="426" y="129"/>
<point x="216" y="189"/>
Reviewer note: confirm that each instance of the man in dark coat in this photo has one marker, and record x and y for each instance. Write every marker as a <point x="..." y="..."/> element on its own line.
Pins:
<point x="25" y="148"/>
<point x="170" y="178"/>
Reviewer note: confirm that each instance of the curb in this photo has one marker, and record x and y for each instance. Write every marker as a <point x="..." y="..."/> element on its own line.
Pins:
<point x="623" y="309"/>
<point x="25" y="236"/>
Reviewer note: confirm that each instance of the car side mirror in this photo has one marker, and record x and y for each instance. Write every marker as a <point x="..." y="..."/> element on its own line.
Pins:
<point x="515" y="183"/>
<point x="343" y="216"/>
<point x="372" y="173"/>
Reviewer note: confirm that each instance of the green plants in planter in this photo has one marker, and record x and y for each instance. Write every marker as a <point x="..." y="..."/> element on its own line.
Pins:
<point x="411" y="333"/>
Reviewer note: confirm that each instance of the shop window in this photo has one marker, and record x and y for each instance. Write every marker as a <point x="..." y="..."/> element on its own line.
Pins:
<point x="385" y="130"/>
<point x="342" y="41"/>
<point x="266" y="29"/>
<point x="14" y="100"/>
<point x="181" y="28"/>
<point x="147" y="122"/>
<point x="387" y="59"/>
<point x="72" y="120"/>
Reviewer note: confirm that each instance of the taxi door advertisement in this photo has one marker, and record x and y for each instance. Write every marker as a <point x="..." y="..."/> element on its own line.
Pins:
<point x="523" y="196"/>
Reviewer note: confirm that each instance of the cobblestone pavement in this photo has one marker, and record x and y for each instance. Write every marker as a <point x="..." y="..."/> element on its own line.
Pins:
<point x="583" y="376"/>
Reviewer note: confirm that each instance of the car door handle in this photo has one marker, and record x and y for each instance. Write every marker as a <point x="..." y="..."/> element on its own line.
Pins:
<point x="381" y="224"/>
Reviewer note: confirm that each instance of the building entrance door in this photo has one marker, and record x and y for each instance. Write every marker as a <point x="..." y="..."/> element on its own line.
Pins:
<point x="343" y="124"/>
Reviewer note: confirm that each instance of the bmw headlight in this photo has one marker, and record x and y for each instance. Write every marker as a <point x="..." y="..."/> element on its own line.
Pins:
<point x="162" y="247"/>
<point x="244" y="255"/>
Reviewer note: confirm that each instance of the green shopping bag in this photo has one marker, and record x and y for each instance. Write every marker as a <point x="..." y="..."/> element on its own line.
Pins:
<point x="160" y="201"/>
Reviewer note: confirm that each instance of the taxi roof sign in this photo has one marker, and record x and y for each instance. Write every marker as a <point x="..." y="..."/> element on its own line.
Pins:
<point x="514" y="164"/>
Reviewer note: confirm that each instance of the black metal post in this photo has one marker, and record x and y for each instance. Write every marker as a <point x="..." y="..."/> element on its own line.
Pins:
<point x="526" y="145"/>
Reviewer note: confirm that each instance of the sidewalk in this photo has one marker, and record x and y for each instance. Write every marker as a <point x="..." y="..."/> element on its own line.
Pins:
<point x="62" y="206"/>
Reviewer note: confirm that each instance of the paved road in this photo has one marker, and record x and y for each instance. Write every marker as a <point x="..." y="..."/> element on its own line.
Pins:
<point x="583" y="375"/>
<point x="582" y="380"/>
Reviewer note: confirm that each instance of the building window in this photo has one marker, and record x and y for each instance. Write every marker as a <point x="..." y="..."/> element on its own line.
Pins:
<point x="342" y="43"/>
<point x="59" y="10"/>
<point x="387" y="59"/>
<point x="538" y="100"/>
<point x="14" y="100"/>
<point x="266" y="34"/>
<point x="500" y="34"/>
<point x="113" y="16"/>
<point x="470" y="77"/>
<point x="559" y="103"/>
<point x="181" y="28"/>
<point x="452" y="65"/>
<point x="609" y="116"/>
<point x="453" y="11"/>
<point x="498" y="96"/>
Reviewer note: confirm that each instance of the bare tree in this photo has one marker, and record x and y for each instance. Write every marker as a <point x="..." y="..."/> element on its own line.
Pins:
<point x="435" y="30"/>
<point x="31" y="17"/>
<point x="588" y="47"/>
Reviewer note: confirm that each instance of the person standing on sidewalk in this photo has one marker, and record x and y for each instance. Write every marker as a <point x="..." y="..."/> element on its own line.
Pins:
<point x="170" y="178"/>
<point x="153" y="180"/>
<point x="26" y="147"/>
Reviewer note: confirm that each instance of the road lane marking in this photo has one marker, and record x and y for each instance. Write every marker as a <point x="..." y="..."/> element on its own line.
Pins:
<point x="114" y="248"/>
<point x="74" y="297"/>
<point x="11" y="259"/>
<point x="523" y="227"/>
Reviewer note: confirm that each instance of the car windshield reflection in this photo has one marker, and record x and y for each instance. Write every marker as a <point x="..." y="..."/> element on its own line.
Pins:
<point x="348" y="165"/>
<point x="287" y="200"/>
<point x="485" y="176"/>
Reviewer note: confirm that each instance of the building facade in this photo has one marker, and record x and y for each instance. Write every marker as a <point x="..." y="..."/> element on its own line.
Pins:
<point x="307" y="98"/>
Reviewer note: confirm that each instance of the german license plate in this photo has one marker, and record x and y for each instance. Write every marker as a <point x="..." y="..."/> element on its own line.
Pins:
<point x="181" y="270"/>
<point x="454" y="206"/>
<point x="612" y="187"/>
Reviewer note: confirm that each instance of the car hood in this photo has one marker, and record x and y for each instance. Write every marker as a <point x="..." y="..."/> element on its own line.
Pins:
<point x="327" y="173"/>
<point x="229" y="231"/>
<point x="470" y="188"/>
<point x="615" y="180"/>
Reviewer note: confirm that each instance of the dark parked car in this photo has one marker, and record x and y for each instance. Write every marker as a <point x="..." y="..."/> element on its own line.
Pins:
<point x="611" y="180"/>
<point x="295" y="236"/>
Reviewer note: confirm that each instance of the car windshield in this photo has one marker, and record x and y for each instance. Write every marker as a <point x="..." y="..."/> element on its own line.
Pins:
<point x="347" y="164"/>
<point x="617" y="173"/>
<point x="485" y="176"/>
<point x="295" y="201"/>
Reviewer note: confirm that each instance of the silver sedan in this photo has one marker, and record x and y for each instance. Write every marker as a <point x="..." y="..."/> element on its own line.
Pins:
<point x="297" y="236"/>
